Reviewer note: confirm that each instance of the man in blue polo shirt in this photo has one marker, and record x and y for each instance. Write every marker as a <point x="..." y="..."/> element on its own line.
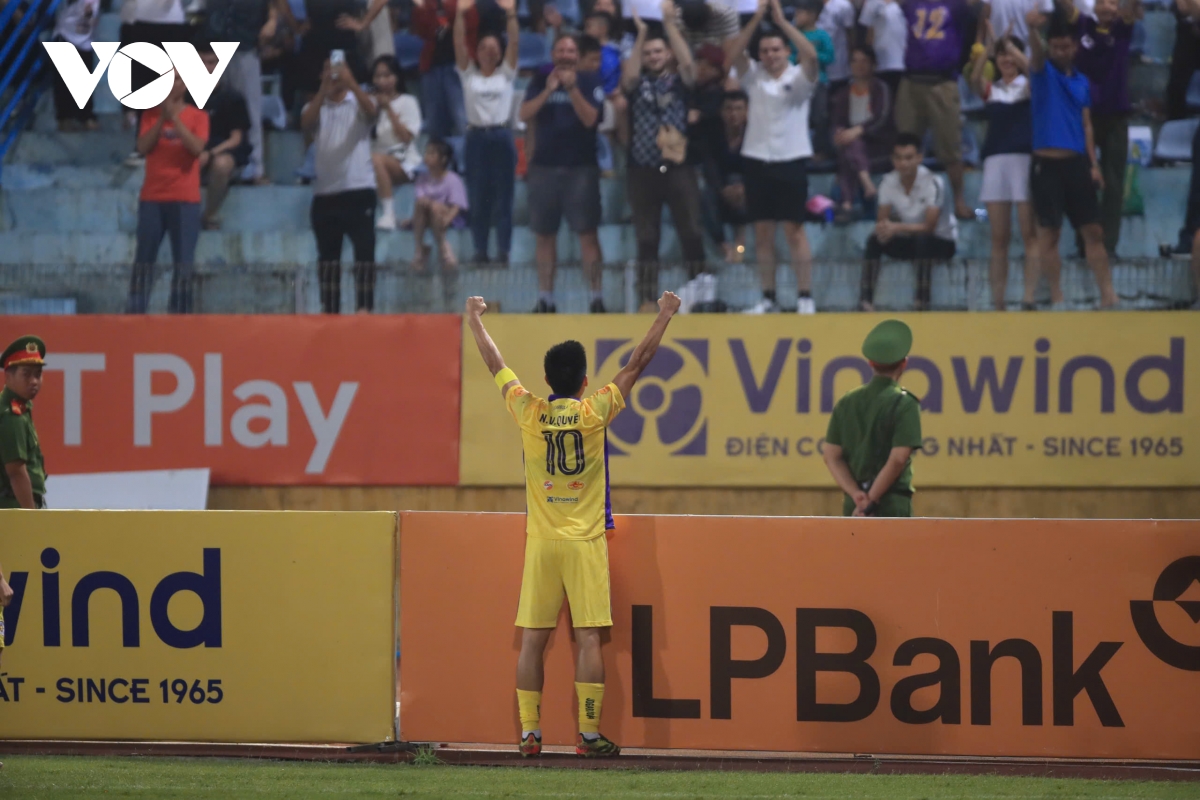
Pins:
<point x="1065" y="173"/>
<point x="564" y="107"/>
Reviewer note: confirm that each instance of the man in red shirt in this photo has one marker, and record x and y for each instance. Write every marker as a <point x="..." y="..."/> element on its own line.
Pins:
<point x="171" y="137"/>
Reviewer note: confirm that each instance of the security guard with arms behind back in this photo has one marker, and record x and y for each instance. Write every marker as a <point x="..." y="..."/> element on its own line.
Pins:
<point x="23" y="479"/>
<point x="874" y="430"/>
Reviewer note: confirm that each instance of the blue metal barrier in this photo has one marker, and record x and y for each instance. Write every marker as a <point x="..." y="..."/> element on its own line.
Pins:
<point x="26" y="33"/>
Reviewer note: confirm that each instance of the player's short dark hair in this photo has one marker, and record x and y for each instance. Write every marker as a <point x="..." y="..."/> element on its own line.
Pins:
<point x="566" y="367"/>
<point x="588" y="45"/>
<point x="736" y="96"/>
<point x="908" y="140"/>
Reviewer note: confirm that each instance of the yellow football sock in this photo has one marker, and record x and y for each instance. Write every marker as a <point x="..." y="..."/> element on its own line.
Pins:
<point x="591" y="698"/>
<point x="530" y="705"/>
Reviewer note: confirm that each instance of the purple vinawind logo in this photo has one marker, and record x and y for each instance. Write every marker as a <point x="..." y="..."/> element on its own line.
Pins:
<point x="666" y="408"/>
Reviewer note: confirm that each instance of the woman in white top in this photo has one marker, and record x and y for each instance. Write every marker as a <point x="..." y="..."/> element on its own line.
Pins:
<point x="394" y="149"/>
<point x="75" y="23"/>
<point x="1007" y="153"/>
<point x="491" y="156"/>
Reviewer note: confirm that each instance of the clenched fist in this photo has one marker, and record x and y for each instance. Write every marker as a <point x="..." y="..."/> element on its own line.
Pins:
<point x="669" y="302"/>
<point x="476" y="307"/>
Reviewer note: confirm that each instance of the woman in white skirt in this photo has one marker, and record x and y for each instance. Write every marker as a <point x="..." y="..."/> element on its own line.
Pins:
<point x="1006" y="158"/>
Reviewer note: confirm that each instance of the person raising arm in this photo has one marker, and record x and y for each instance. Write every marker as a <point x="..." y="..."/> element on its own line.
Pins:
<point x="735" y="48"/>
<point x="684" y="64"/>
<point x="806" y="52"/>
<point x="641" y="357"/>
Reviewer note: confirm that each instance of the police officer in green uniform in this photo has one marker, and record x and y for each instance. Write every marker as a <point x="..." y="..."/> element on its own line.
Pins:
<point x="23" y="480"/>
<point x="875" y="429"/>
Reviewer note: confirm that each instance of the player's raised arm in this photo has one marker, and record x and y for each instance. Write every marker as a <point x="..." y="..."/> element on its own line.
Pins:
<point x="476" y="308"/>
<point x="643" y="354"/>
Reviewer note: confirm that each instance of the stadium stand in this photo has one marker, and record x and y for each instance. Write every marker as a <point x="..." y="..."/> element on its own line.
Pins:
<point x="68" y="201"/>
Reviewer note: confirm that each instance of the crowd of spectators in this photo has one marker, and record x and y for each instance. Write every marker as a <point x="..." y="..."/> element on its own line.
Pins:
<point x="717" y="112"/>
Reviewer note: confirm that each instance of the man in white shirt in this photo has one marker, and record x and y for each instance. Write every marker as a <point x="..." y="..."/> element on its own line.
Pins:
<point x="776" y="147"/>
<point x="341" y="116"/>
<point x="838" y="19"/>
<point x="887" y="33"/>
<point x="914" y="223"/>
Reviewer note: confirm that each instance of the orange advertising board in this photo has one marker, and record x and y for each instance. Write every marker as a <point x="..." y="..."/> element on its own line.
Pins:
<point x="259" y="400"/>
<point x="970" y="637"/>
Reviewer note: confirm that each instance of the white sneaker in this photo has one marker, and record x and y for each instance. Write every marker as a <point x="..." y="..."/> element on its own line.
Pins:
<point x="387" y="222"/>
<point x="706" y="288"/>
<point x="805" y="305"/>
<point x="763" y="306"/>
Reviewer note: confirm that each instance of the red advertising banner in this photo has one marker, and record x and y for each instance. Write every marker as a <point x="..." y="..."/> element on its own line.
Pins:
<point x="1063" y="638"/>
<point x="260" y="400"/>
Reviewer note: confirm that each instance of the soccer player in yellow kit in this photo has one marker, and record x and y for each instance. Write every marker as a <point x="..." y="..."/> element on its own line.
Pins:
<point x="568" y="511"/>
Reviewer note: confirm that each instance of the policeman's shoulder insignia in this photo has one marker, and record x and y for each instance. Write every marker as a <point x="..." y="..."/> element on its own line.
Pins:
<point x="906" y="392"/>
<point x="17" y="408"/>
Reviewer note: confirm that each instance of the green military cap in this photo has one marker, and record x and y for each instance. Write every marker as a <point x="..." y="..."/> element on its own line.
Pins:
<point x="888" y="343"/>
<point x="26" y="350"/>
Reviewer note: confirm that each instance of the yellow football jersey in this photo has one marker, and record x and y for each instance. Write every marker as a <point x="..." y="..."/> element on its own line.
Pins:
<point x="565" y="446"/>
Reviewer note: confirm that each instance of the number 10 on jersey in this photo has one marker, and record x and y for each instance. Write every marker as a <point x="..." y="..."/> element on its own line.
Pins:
<point x="558" y="443"/>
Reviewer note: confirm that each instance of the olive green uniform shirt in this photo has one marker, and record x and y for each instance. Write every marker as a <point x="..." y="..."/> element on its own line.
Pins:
<point x="19" y="442"/>
<point x="867" y="423"/>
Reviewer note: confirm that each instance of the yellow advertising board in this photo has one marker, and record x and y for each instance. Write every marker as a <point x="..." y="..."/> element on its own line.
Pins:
<point x="1038" y="400"/>
<point x="199" y="626"/>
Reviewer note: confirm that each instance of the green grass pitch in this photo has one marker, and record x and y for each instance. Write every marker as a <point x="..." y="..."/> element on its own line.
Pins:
<point x="66" y="778"/>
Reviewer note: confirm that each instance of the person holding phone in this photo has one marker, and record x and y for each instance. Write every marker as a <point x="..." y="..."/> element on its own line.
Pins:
<point x="341" y="116"/>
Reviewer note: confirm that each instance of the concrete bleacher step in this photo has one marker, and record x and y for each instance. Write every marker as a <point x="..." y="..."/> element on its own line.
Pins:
<point x="274" y="288"/>
<point x="84" y="207"/>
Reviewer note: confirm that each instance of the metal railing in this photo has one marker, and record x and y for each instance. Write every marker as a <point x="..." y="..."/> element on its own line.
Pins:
<point x="962" y="285"/>
<point x="22" y="64"/>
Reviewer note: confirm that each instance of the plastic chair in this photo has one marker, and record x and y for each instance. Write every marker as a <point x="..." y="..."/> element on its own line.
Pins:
<point x="531" y="51"/>
<point x="1175" y="140"/>
<point x="408" y="50"/>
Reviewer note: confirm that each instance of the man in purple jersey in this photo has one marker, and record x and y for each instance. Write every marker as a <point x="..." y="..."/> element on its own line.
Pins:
<point x="928" y="96"/>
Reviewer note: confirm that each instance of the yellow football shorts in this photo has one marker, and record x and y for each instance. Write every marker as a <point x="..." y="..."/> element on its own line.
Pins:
<point x="574" y="567"/>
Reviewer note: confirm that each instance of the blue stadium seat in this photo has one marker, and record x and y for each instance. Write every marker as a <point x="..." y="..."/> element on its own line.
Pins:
<point x="1193" y="92"/>
<point x="532" y="51"/>
<point x="1175" y="140"/>
<point x="408" y="50"/>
